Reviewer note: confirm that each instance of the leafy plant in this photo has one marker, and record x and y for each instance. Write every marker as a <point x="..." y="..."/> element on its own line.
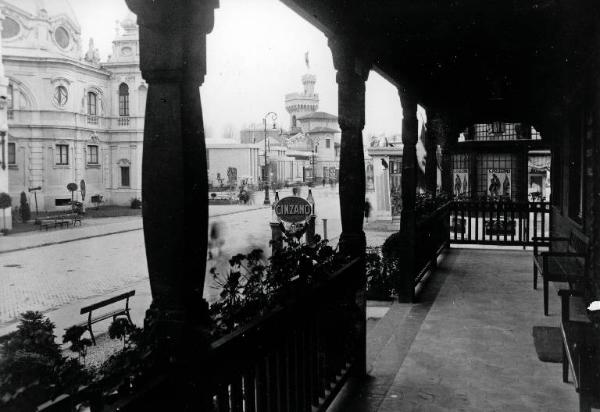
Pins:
<point x="136" y="203"/>
<point x="379" y="271"/>
<point x="73" y="335"/>
<point x="72" y="187"/>
<point x="5" y="202"/>
<point x="32" y="367"/>
<point x="25" y="210"/>
<point x="252" y="285"/>
<point x="120" y="328"/>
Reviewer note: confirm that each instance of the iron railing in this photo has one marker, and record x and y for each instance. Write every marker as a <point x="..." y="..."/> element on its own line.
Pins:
<point x="499" y="222"/>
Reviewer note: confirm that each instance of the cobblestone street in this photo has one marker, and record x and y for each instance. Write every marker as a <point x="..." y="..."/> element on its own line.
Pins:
<point x="50" y="278"/>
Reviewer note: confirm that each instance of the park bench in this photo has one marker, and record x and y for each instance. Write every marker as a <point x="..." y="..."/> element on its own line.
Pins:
<point x="60" y="220"/>
<point x="565" y="266"/>
<point x="579" y="354"/>
<point x="112" y="314"/>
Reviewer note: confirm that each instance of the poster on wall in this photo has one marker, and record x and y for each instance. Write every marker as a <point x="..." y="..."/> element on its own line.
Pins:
<point x="499" y="183"/>
<point x="461" y="182"/>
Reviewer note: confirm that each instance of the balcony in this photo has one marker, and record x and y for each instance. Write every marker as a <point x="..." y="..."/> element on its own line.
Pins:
<point x="123" y="121"/>
<point x="92" y="120"/>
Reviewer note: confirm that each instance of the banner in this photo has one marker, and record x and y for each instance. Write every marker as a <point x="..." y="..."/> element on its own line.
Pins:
<point x="499" y="183"/>
<point x="460" y="182"/>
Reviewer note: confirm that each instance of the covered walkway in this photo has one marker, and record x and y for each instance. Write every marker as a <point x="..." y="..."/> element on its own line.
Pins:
<point x="467" y="346"/>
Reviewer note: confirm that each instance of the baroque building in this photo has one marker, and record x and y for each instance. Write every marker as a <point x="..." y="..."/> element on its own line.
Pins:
<point x="71" y="116"/>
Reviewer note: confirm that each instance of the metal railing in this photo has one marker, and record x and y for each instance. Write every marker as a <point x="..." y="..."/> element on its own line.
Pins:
<point x="296" y="357"/>
<point x="498" y="222"/>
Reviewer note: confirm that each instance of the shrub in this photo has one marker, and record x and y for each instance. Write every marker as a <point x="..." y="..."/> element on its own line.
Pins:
<point x="32" y="367"/>
<point x="391" y="247"/>
<point x="25" y="210"/>
<point x="78" y="345"/>
<point x="120" y="328"/>
<point x="380" y="285"/>
<point x="136" y="203"/>
<point x="253" y="286"/>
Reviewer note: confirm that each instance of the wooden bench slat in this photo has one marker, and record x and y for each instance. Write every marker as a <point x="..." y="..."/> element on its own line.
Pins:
<point x="107" y="302"/>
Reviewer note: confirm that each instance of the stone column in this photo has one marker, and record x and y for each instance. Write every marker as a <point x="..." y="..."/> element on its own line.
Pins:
<point x="352" y="73"/>
<point x="409" y="162"/>
<point x="174" y="169"/>
<point x="406" y="276"/>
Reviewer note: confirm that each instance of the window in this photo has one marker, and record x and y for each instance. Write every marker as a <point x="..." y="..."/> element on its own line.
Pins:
<point x="9" y="97"/>
<point x="61" y="95"/>
<point x="125" y="176"/>
<point x="62" y="38"/>
<point x="62" y="154"/>
<point x="92" y="157"/>
<point x="327" y="143"/>
<point x="123" y="100"/>
<point x="498" y="127"/>
<point x="10" y="28"/>
<point x="92" y="104"/>
<point x="12" y="154"/>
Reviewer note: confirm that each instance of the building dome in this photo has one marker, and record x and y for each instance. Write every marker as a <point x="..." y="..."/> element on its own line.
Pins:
<point x="45" y="8"/>
<point x="129" y="22"/>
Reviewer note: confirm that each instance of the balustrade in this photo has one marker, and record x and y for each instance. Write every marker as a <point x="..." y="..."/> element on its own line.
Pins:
<point x="499" y="222"/>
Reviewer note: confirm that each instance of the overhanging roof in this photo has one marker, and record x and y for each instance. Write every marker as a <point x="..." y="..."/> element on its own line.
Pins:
<point x="477" y="59"/>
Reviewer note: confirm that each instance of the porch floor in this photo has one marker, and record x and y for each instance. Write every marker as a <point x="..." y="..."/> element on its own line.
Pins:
<point x="466" y="346"/>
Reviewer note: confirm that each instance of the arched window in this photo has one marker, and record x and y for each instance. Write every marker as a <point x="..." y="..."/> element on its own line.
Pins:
<point x="9" y="97"/>
<point x="123" y="100"/>
<point x="92" y="104"/>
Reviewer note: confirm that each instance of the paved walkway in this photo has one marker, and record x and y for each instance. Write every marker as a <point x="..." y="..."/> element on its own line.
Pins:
<point x="467" y="346"/>
<point x="96" y="227"/>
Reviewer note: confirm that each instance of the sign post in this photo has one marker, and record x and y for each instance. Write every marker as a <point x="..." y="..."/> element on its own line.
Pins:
<point x="295" y="211"/>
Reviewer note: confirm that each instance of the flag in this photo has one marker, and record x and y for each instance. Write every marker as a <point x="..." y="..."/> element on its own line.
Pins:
<point x="306" y="61"/>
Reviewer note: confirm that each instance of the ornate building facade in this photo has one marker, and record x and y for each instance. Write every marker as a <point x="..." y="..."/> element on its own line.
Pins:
<point x="71" y="117"/>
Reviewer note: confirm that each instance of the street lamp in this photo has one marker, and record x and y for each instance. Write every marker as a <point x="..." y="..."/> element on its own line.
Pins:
<point x="273" y="117"/>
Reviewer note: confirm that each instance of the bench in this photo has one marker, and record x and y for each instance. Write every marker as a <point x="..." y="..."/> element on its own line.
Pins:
<point x="579" y="355"/>
<point x="60" y="220"/>
<point x="566" y="266"/>
<point x="113" y="314"/>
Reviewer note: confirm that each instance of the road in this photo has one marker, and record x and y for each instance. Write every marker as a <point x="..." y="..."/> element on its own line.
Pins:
<point x="59" y="279"/>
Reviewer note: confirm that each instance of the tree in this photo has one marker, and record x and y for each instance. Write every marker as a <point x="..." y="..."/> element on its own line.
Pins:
<point x="25" y="210"/>
<point x="5" y="202"/>
<point x="72" y="187"/>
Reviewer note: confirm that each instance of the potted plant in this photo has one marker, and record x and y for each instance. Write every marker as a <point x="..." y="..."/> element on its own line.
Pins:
<point x="5" y="202"/>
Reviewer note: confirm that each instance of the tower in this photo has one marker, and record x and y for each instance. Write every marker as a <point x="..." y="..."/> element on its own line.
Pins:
<point x="298" y="104"/>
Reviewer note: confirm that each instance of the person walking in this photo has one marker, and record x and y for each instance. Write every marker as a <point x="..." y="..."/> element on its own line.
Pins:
<point x="367" y="209"/>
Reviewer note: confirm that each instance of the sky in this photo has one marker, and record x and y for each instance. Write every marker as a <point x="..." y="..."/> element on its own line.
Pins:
<point x="255" y="55"/>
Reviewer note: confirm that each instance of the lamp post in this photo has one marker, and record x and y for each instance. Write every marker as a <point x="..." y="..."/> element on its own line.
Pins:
<point x="273" y="117"/>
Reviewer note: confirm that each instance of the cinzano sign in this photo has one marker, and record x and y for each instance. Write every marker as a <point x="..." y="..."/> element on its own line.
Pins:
<point x="293" y="209"/>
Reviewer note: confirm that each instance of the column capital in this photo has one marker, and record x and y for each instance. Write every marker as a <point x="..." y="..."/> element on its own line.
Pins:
<point x="173" y="38"/>
<point x="352" y="73"/>
<point x="348" y="60"/>
<point x="408" y="100"/>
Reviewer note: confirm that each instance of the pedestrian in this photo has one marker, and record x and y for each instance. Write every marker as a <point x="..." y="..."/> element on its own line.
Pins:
<point x="367" y="209"/>
<point x="323" y="182"/>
